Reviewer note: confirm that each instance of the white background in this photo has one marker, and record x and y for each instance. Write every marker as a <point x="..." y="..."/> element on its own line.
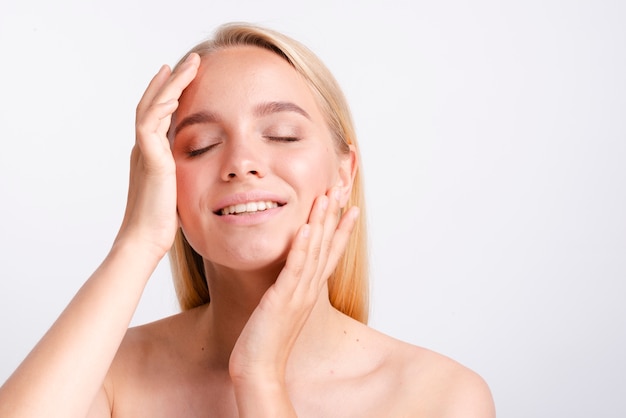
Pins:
<point x="494" y="144"/>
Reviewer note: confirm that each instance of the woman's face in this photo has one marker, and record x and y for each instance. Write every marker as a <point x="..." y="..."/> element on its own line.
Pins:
<point x="252" y="153"/>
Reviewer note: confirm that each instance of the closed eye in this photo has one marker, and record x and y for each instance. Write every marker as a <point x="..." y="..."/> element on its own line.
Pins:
<point x="199" y="151"/>
<point x="283" y="138"/>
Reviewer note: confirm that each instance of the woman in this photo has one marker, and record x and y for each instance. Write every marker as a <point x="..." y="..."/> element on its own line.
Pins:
<point x="247" y="159"/>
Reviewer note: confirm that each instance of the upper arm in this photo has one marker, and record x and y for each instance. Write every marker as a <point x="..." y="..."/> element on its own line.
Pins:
<point x="469" y="397"/>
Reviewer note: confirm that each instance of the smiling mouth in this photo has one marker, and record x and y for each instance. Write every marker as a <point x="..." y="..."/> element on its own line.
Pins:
<point x="247" y="208"/>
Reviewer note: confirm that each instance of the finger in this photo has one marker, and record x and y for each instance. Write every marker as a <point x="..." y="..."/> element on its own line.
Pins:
<point x="160" y="99"/>
<point x="153" y="88"/>
<point x="151" y="129"/>
<point x="301" y="264"/>
<point x="296" y="261"/>
<point x="182" y="76"/>
<point x="340" y="240"/>
<point x="315" y="251"/>
<point x="331" y="217"/>
<point x="150" y="121"/>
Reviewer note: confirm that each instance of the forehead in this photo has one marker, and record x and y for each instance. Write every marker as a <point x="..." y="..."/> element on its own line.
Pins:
<point x="240" y="77"/>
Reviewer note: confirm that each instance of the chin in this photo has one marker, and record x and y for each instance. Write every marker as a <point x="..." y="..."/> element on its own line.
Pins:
<point x="248" y="255"/>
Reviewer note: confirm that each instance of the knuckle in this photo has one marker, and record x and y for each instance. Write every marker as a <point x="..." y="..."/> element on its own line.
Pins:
<point x="296" y="268"/>
<point x="316" y="250"/>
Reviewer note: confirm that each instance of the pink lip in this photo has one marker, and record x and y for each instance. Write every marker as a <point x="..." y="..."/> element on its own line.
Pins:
<point x="251" y="196"/>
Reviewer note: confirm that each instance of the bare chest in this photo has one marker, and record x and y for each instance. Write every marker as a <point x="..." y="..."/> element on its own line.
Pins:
<point x="215" y="398"/>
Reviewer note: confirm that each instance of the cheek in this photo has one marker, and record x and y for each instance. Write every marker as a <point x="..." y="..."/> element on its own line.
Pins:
<point x="189" y="204"/>
<point x="183" y="185"/>
<point x="187" y="188"/>
<point x="314" y="171"/>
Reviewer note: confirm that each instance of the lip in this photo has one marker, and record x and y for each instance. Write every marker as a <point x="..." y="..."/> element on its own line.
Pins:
<point x="246" y="197"/>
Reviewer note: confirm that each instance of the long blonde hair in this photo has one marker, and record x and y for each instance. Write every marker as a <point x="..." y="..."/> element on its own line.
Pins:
<point x="348" y="285"/>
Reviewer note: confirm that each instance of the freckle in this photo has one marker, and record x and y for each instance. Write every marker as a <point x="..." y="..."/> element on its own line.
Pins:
<point x="357" y="340"/>
<point x="345" y="332"/>
<point x="332" y="372"/>
<point x="202" y="348"/>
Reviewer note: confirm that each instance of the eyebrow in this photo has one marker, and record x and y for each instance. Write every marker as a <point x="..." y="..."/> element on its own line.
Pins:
<point x="195" y="118"/>
<point x="268" y="108"/>
<point x="264" y="109"/>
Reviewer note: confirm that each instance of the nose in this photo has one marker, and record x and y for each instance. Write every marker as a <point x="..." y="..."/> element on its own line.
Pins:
<point x="241" y="161"/>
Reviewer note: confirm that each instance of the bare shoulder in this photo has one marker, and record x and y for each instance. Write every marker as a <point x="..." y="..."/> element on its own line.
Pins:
<point x="437" y="386"/>
<point x="146" y="354"/>
<point x="135" y="354"/>
<point x="148" y="340"/>
<point x="455" y="390"/>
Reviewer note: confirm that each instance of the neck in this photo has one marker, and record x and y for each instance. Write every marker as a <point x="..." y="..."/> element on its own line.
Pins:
<point x="235" y="295"/>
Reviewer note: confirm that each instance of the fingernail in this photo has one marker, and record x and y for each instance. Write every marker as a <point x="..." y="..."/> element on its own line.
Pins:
<point x="355" y="212"/>
<point x="306" y="231"/>
<point x="336" y="194"/>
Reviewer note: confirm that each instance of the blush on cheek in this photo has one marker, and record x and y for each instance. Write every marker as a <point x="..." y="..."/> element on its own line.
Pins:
<point x="316" y="169"/>
<point x="187" y="183"/>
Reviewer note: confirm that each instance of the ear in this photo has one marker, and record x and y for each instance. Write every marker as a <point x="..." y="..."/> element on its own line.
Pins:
<point x="348" y="165"/>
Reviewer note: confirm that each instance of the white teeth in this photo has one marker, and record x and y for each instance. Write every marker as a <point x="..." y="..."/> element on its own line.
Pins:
<point x="249" y="207"/>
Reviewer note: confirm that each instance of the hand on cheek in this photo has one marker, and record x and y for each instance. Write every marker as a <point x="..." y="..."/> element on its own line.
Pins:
<point x="263" y="348"/>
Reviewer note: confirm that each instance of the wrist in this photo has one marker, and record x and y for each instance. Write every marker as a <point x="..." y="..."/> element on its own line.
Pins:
<point x="134" y="245"/>
<point x="148" y="242"/>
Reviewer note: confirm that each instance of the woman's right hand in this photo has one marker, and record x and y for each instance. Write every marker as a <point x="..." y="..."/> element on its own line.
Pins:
<point x="150" y="216"/>
<point x="63" y="374"/>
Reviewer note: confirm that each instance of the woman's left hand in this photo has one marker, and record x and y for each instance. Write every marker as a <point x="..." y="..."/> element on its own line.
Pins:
<point x="259" y="359"/>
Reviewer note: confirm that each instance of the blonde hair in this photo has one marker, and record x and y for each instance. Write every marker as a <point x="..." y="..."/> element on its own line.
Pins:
<point x="348" y="285"/>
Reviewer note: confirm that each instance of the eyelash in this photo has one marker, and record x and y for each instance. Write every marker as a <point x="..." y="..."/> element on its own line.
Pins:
<point x="283" y="138"/>
<point x="199" y="151"/>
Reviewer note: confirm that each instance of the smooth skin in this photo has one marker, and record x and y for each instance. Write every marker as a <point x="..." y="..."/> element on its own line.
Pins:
<point x="269" y="344"/>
